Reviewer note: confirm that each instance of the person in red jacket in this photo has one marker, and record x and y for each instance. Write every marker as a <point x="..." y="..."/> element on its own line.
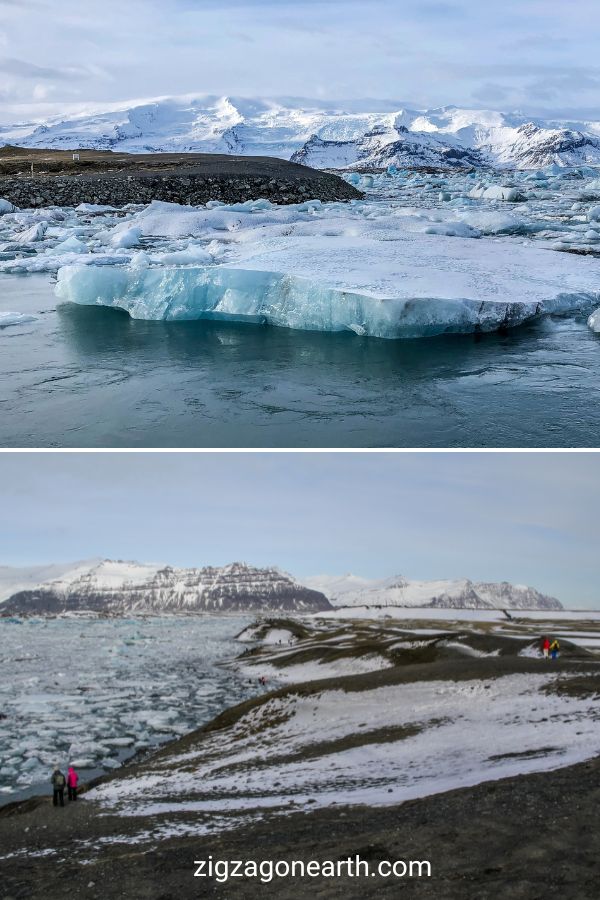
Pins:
<point x="546" y="647"/>
<point x="72" y="779"/>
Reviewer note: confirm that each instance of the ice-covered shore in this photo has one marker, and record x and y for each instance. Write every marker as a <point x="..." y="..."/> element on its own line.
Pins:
<point x="420" y="255"/>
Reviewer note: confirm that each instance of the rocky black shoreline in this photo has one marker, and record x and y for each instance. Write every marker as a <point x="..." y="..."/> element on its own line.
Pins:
<point x="32" y="179"/>
<point x="520" y="838"/>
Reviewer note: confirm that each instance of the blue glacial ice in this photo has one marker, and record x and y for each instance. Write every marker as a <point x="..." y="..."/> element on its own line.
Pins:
<point x="422" y="254"/>
<point x="403" y="288"/>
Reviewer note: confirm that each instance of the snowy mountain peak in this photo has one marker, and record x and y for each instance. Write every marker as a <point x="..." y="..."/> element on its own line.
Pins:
<point x="351" y="590"/>
<point x="322" y="134"/>
<point x="120" y="587"/>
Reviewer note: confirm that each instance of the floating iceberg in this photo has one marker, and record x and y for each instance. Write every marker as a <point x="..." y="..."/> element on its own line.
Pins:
<point x="594" y="321"/>
<point x="70" y="245"/>
<point x="497" y="192"/>
<point x="400" y="285"/>
<point x="404" y="262"/>
<point x="594" y="214"/>
<point x="14" y="318"/>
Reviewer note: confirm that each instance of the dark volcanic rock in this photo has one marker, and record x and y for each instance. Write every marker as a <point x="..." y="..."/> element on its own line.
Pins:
<point x="194" y="179"/>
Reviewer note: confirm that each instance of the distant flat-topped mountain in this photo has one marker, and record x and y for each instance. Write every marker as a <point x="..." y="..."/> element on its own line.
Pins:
<point x="351" y="590"/>
<point x="360" y="134"/>
<point x="106" y="586"/>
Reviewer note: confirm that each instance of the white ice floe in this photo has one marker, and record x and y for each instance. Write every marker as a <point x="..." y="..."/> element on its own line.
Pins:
<point x="404" y="262"/>
<point x="594" y="321"/>
<point x="497" y="192"/>
<point x="382" y="281"/>
<point x="15" y="318"/>
<point x="125" y="684"/>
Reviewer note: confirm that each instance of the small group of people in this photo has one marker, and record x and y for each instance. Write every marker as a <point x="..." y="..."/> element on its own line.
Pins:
<point x="60" y="781"/>
<point x="550" y="648"/>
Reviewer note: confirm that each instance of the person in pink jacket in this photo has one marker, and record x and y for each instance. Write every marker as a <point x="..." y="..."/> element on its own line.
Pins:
<point x="72" y="779"/>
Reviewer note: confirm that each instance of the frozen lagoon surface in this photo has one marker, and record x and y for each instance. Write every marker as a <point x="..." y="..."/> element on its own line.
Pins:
<point x="94" y="691"/>
<point x="420" y="256"/>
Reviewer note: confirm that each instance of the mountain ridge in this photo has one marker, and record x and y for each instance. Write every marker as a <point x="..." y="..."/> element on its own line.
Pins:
<point x="325" y="135"/>
<point x="122" y="586"/>
<point x="119" y="587"/>
<point x="352" y="590"/>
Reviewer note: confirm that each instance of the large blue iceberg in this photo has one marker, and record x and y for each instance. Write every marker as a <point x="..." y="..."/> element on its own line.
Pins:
<point x="281" y="299"/>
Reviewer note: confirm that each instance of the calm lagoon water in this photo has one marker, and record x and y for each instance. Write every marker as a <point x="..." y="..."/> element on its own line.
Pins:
<point x="93" y="377"/>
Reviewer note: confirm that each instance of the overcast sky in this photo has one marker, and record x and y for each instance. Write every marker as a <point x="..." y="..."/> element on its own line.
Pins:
<point x="531" y="55"/>
<point x="526" y="518"/>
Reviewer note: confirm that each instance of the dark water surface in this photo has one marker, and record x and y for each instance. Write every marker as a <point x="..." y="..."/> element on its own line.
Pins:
<point x="93" y="377"/>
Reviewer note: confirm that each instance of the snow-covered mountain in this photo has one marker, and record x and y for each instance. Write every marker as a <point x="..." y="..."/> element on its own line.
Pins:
<point x="351" y="590"/>
<point x="118" y="587"/>
<point x="323" y="135"/>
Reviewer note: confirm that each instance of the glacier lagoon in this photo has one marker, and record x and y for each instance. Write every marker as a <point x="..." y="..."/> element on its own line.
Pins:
<point x="94" y="691"/>
<point x="423" y="255"/>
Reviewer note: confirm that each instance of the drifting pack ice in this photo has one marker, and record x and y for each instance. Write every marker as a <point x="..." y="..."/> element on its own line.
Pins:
<point x="421" y="255"/>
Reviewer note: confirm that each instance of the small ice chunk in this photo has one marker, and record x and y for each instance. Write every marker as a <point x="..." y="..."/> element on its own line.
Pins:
<point x="497" y="192"/>
<point x="70" y="245"/>
<point x="488" y="221"/>
<point x="190" y="255"/>
<point x="594" y="321"/>
<point x="94" y="208"/>
<point x="14" y="318"/>
<point x="453" y="229"/>
<point x="126" y="237"/>
<point x="139" y="260"/>
<point x="32" y="234"/>
<point x="6" y="206"/>
<point x="594" y="214"/>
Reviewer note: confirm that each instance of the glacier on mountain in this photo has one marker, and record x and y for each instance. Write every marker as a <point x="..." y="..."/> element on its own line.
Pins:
<point x="321" y="134"/>
<point x="118" y="587"/>
<point x="397" y="591"/>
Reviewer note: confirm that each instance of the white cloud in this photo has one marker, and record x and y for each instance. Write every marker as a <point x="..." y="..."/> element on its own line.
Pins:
<point x="433" y="52"/>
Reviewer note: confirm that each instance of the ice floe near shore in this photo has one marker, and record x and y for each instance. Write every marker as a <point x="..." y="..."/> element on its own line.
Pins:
<point x="125" y="685"/>
<point x="422" y="254"/>
<point x="388" y="283"/>
<point x="594" y="321"/>
<point x="14" y="318"/>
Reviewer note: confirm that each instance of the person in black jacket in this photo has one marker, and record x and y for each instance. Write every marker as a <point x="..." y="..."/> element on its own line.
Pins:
<point x="58" y="786"/>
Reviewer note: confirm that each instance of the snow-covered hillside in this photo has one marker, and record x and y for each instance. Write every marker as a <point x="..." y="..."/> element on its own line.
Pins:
<point x="351" y="590"/>
<point x="321" y="134"/>
<point x="106" y="586"/>
<point x="13" y="579"/>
